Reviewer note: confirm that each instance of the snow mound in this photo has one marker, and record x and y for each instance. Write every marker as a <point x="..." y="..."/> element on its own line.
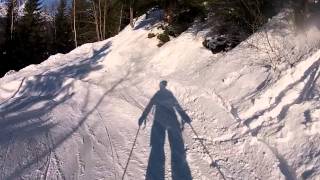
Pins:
<point x="255" y="108"/>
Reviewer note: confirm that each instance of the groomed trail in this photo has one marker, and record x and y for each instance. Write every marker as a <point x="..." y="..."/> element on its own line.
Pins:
<point x="75" y="116"/>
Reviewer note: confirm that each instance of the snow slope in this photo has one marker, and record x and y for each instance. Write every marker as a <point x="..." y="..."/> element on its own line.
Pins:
<point x="75" y="116"/>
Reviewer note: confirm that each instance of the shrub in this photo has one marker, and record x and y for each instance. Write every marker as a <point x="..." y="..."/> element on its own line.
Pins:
<point x="160" y="44"/>
<point x="304" y="10"/>
<point x="234" y="21"/>
<point x="163" y="37"/>
<point x="151" y="35"/>
<point x="248" y="14"/>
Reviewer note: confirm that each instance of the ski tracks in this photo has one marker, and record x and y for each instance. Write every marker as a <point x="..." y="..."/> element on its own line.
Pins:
<point x="111" y="147"/>
<point x="56" y="157"/>
<point x="6" y="155"/>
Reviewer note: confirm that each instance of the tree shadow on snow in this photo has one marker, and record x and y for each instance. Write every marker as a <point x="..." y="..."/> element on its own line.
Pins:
<point x="25" y="117"/>
<point x="308" y="92"/>
<point x="165" y="120"/>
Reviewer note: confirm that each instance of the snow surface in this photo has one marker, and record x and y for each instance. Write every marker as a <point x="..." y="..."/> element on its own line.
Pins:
<point x="75" y="116"/>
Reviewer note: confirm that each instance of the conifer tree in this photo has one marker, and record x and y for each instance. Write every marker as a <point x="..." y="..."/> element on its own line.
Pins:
<point x="63" y="32"/>
<point x="31" y="34"/>
<point x="8" y="45"/>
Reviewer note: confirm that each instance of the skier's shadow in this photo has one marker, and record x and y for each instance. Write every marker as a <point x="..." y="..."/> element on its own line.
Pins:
<point x="165" y="120"/>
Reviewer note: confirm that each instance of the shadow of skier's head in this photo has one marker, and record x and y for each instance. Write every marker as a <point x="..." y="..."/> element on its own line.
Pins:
<point x="163" y="84"/>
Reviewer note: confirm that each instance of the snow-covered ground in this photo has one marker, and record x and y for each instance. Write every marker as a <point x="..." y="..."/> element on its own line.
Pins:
<point x="75" y="116"/>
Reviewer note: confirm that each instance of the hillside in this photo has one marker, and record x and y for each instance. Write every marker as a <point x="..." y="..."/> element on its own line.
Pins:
<point x="254" y="108"/>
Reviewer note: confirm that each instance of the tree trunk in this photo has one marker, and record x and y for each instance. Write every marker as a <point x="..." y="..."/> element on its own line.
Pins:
<point x="131" y="13"/>
<point x="96" y="21"/>
<point x="300" y="11"/>
<point x="100" y="20"/>
<point x="104" y="19"/>
<point x="169" y="8"/>
<point x="74" y="23"/>
<point x="120" y="18"/>
<point x="12" y="18"/>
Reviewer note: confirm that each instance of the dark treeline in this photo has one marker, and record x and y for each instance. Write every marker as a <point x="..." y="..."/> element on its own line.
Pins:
<point x="33" y="36"/>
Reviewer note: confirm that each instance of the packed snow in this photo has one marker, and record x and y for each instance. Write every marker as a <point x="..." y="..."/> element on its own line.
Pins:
<point x="254" y="110"/>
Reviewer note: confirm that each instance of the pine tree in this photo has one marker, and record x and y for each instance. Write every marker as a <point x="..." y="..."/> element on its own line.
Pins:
<point x="63" y="34"/>
<point x="6" y="51"/>
<point x="31" y="35"/>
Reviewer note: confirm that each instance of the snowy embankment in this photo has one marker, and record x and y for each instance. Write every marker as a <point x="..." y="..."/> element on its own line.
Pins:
<point x="75" y="116"/>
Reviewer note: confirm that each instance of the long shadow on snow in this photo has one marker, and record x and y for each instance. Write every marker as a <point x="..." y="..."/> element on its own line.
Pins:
<point x="26" y="117"/>
<point x="305" y="93"/>
<point x="48" y="90"/>
<point x="58" y="142"/>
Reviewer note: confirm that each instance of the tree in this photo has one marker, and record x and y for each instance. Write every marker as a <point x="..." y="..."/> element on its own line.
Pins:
<point x="300" y="8"/>
<point x="8" y="35"/>
<point x="63" y="33"/>
<point x="84" y="30"/>
<point x="169" y="9"/>
<point x="31" y="42"/>
<point x="11" y="17"/>
<point x="247" y="14"/>
<point x="74" y="23"/>
<point x="131" y="4"/>
<point x="120" y="17"/>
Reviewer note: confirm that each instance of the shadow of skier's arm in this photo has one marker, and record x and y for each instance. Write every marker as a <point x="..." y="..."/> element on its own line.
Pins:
<point x="184" y="116"/>
<point x="146" y="111"/>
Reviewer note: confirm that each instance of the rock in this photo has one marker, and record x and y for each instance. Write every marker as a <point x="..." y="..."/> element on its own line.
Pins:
<point x="151" y="35"/>
<point x="219" y="43"/>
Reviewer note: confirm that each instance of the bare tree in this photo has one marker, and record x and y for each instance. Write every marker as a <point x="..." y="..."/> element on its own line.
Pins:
<point x="120" y="17"/>
<point x="101" y="10"/>
<point x="96" y="20"/>
<point x="131" y="13"/>
<point x="11" y="16"/>
<point x="74" y="23"/>
<point x="104" y="19"/>
<point x="100" y="19"/>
